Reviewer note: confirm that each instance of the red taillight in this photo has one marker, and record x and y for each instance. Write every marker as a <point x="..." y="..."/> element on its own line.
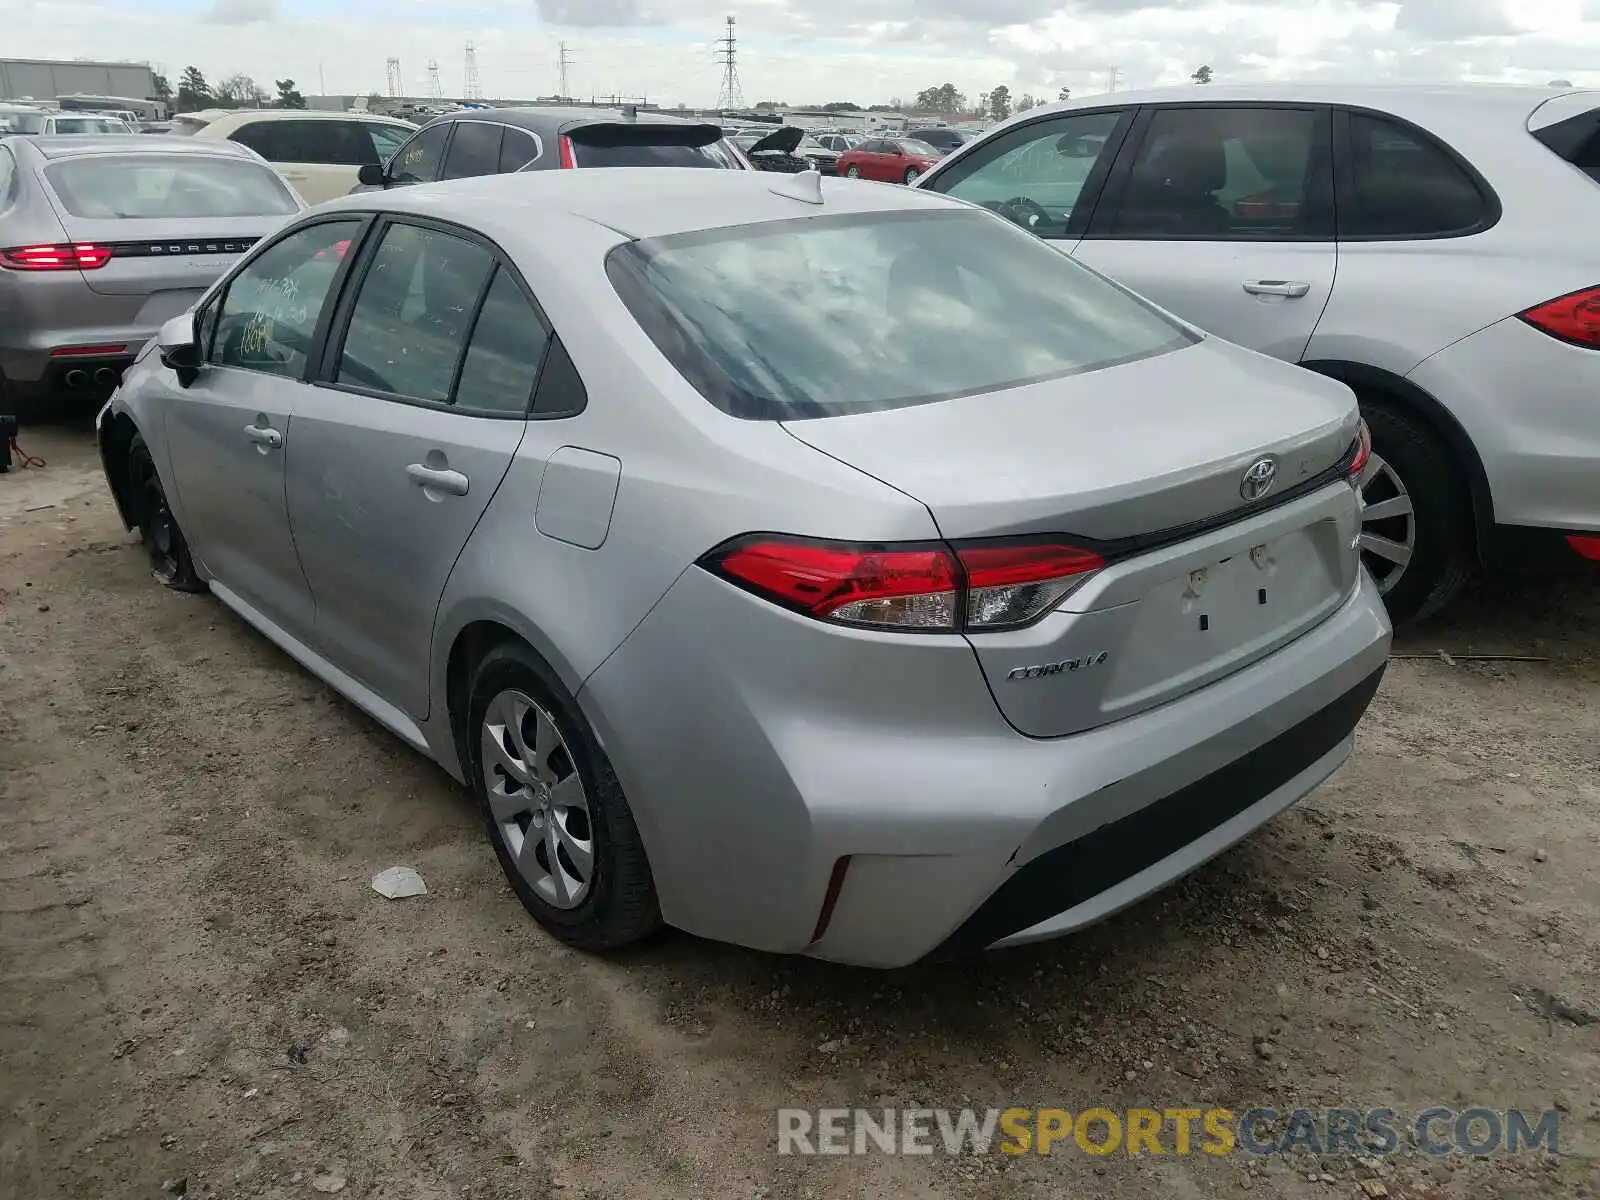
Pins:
<point x="1585" y="544"/>
<point x="89" y="351"/>
<point x="1363" y="454"/>
<point x="565" y="145"/>
<point x="918" y="588"/>
<point x="75" y="256"/>
<point x="1573" y="318"/>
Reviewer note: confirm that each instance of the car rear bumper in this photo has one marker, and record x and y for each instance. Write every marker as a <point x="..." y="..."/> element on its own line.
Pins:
<point x="1531" y="405"/>
<point x="791" y="751"/>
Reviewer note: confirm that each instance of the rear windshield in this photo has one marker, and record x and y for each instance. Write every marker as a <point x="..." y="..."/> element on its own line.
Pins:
<point x="653" y="156"/>
<point x="832" y="315"/>
<point x="90" y="125"/>
<point x="1577" y="139"/>
<point x="148" y="185"/>
<point x="21" y="122"/>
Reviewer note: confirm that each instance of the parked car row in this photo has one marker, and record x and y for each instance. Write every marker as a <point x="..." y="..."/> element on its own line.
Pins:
<point x="819" y="566"/>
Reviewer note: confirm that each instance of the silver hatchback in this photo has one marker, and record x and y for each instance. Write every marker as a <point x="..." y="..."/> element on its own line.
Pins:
<point x="819" y="566"/>
<point x="103" y="239"/>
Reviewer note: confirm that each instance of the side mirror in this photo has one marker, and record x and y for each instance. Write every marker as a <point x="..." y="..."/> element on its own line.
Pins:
<point x="179" y="350"/>
<point x="370" y="175"/>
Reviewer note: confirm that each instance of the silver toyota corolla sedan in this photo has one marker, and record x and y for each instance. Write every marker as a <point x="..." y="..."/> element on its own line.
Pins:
<point x="102" y="239"/>
<point x="820" y="566"/>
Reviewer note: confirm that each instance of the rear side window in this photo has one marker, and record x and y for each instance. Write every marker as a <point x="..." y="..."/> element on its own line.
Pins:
<point x="822" y="316"/>
<point x="508" y="344"/>
<point x="475" y="150"/>
<point x="90" y="125"/>
<point x="327" y="143"/>
<point x="517" y="150"/>
<point x="411" y="318"/>
<point x="150" y="185"/>
<point x="1577" y="139"/>
<point x="1227" y="174"/>
<point x="1402" y="184"/>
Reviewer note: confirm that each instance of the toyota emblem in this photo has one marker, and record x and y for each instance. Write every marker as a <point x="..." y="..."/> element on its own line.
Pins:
<point x="1257" y="481"/>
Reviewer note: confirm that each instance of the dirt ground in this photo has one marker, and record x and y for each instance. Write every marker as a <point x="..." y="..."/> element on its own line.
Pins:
<point x="200" y="994"/>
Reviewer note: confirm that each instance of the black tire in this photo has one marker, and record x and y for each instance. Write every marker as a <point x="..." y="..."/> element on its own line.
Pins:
<point x="164" y="543"/>
<point x="1444" y="555"/>
<point x="620" y="907"/>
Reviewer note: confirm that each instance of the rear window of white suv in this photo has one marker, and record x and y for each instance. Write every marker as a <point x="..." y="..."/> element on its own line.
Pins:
<point x="832" y="315"/>
<point x="148" y="185"/>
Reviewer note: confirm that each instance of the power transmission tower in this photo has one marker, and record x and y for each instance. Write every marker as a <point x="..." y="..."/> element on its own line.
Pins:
<point x="731" y="95"/>
<point x="396" y="86"/>
<point x="435" y="88"/>
<point x="562" y="64"/>
<point x="473" y="89"/>
<point x="1111" y="78"/>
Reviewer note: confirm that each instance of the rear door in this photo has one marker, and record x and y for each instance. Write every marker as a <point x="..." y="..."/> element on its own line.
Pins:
<point x="402" y="443"/>
<point x="229" y="431"/>
<point x="1044" y="175"/>
<point x="1224" y="214"/>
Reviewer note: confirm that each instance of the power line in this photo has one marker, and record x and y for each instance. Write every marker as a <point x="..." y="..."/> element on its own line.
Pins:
<point x="435" y="88"/>
<point x="562" y="63"/>
<point x="472" y="90"/>
<point x="731" y="95"/>
<point x="396" y="81"/>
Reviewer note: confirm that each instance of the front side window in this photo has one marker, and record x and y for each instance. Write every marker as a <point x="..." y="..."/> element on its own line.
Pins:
<point x="1401" y="184"/>
<point x="158" y="186"/>
<point x="508" y="344"/>
<point x="268" y="317"/>
<point x="825" y="316"/>
<point x="474" y="151"/>
<point x="21" y="122"/>
<point x="409" y="326"/>
<point x="1034" y="175"/>
<point x="1225" y="174"/>
<point x="419" y="159"/>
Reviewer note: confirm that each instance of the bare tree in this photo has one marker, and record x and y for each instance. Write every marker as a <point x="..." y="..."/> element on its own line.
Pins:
<point x="239" y="91"/>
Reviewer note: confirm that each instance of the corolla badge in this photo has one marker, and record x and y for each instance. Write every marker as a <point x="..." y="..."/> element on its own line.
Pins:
<point x="1064" y="667"/>
<point x="1258" y="478"/>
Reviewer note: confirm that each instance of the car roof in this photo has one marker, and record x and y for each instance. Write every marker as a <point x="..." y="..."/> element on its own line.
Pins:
<point x="286" y="114"/>
<point x="93" y="145"/>
<point x="1421" y="102"/>
<point x="640" y="202"/>
<point x="543" y="120"/>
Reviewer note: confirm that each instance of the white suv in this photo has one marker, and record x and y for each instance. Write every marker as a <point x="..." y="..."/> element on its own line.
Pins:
<point x="320" y="153"/>
<point x="1425" y="245"/>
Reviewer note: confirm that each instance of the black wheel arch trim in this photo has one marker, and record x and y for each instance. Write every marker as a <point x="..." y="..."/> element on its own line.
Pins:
<point x="1370" y="382"/>
<point x="115" y="437"/>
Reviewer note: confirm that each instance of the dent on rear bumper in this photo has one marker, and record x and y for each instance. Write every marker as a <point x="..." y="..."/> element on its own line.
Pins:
<point x="787" y="747"/>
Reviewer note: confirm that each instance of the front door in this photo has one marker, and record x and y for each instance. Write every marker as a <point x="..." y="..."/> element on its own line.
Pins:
<point x="228" y="432"/>
<point x="399" y="450"/>
<point x="1224" y="215"/>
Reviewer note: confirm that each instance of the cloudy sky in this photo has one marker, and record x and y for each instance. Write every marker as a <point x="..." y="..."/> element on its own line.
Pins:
<point x="811" y="51"/>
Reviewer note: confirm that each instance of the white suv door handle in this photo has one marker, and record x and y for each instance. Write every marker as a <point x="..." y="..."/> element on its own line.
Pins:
<point x="453" y="483"/>
<point x="1291" y="288"/>
<point x="264" y="436"/>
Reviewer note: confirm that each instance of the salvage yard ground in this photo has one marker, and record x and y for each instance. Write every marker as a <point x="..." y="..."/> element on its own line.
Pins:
<point x="200" y="992"/>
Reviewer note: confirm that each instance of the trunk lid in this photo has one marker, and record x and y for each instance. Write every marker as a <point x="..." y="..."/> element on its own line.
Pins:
<point x="1145" y="462"/>
<point x="181" y="255"/>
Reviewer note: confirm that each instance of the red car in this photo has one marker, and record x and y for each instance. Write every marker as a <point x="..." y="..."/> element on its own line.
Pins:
<point x="892" y="160"/>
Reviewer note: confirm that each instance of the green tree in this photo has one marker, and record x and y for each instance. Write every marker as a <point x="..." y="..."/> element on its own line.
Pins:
<point x="1026" y="102"/>
<point x="1201" y="75"/>
<point x="1066" y="94"/>
<point x="161" y="88"/>
<point x="1000" y="103"/>
<point x="193" y="90"/>
<point x="841" y="106"/>
<point x="287" y="96"/>
<point x="945" y="98"/>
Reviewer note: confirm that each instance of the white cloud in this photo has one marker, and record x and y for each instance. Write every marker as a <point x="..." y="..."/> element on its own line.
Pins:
<point x="818" y="50"/>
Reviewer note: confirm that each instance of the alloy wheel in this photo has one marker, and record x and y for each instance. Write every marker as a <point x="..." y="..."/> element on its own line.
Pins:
<point x="1388" y="523"/>
<point x="540" y="809"/>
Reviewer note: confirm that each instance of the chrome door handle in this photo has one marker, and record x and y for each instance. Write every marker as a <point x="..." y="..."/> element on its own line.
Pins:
<point x="1293" y="289"/>
<point x="264" y="436"/>
<point x="452" y="482"/>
